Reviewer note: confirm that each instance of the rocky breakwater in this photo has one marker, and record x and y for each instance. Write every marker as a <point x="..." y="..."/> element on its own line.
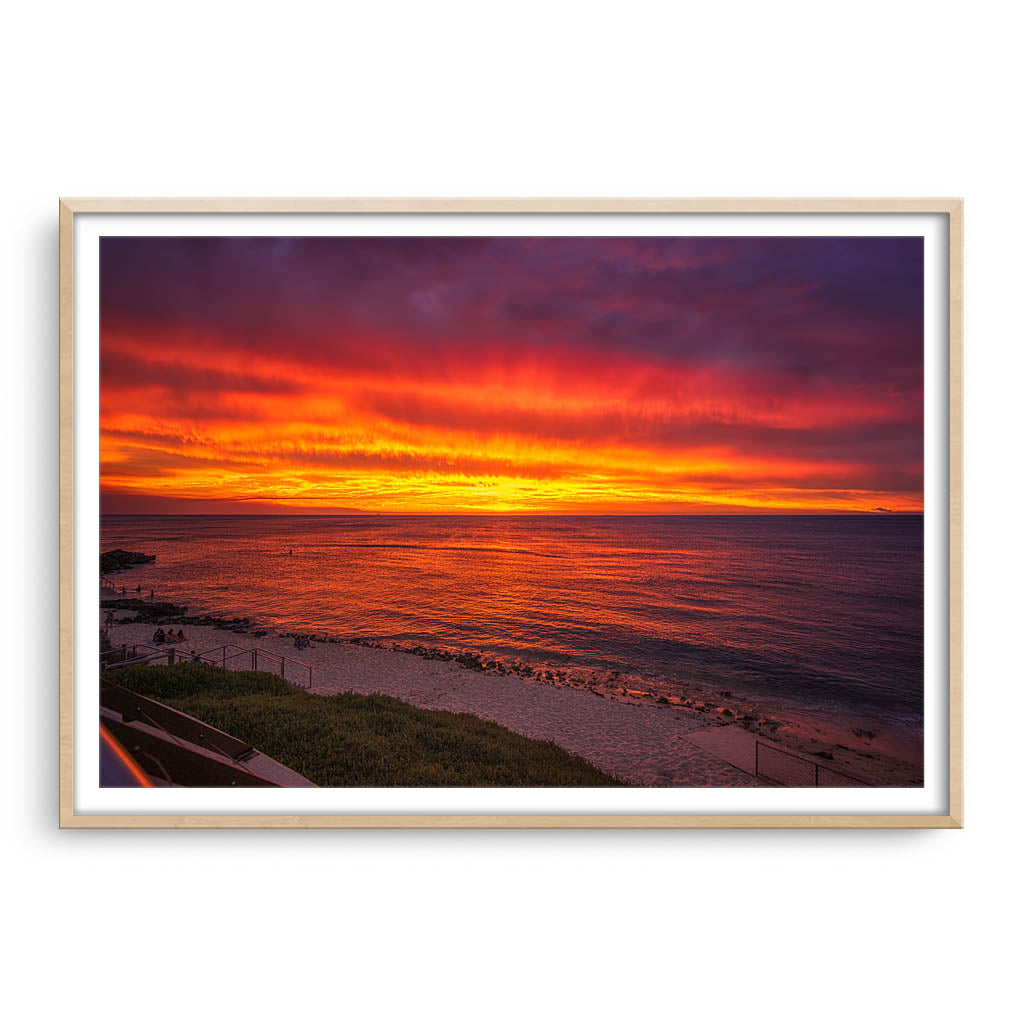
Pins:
<point x="119" y="560"/>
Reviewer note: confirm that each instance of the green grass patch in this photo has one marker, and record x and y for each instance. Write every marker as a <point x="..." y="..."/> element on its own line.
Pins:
<point x="357" y="740"/>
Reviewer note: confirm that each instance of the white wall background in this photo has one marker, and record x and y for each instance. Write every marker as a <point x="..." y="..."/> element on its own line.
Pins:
<point x="513" y="99"/>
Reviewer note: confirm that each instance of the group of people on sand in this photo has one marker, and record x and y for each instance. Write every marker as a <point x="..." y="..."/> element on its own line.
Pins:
<point x="170" y="637"/>
<point x="302" y="642"/>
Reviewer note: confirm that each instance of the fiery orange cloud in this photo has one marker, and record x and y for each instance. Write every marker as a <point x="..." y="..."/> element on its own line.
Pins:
<point x="535" y="414"/>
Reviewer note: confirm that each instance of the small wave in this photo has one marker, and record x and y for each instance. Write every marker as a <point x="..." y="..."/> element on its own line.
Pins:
<point x="448" y="547"/>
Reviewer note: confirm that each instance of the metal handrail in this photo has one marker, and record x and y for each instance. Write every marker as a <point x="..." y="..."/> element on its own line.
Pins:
<point x="172" y="654"/>
<point x="224" y="655"/>
<point x="144" y="659"/>
<point x="283" y="658"/>
<point x="220" y="656"/>
<point x="123" y="651"/>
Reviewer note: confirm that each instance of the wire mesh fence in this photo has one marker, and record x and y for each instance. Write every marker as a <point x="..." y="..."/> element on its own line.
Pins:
<point x="830" y="778"/>
<point x="786" y="769"/>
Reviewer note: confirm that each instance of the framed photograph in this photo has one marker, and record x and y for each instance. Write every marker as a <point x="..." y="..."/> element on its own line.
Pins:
<point x="510" y="513"/>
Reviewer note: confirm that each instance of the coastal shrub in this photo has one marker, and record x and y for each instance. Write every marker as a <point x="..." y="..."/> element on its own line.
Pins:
<point x="355" y="739"/>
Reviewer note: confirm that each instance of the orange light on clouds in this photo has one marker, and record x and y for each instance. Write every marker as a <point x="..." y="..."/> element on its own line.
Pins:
<point x="202" y="416"/>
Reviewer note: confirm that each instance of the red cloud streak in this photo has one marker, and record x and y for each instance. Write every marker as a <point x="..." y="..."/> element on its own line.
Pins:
<point x="770" y="388"/>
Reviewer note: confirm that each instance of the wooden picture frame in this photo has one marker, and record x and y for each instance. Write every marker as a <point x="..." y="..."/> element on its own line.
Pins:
<point x="949" y="209"/>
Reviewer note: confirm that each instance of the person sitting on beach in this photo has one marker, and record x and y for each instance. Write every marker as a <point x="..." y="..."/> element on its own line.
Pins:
<point x="158" y="636"/>
<point x="195" y="657"/>
<point x="181" y="636"/>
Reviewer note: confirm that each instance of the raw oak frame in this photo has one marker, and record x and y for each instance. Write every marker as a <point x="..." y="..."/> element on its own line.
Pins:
<point x="952" y="208"/>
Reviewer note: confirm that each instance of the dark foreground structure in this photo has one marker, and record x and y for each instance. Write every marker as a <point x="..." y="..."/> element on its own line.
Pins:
<point x="146" y="743"/>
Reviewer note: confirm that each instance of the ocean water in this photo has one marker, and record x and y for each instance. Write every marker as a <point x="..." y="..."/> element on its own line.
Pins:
<point x="811" y="613"/>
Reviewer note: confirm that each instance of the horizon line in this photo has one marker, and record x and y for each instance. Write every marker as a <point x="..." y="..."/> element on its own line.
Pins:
<point x="552" y="515"/>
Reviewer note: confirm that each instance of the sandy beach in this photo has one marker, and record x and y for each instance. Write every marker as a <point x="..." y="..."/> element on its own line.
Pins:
<point x="643" y="745"/>
<point x="642" y="741"/>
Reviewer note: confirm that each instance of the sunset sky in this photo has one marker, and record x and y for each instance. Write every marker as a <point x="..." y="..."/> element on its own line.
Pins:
<point x="553" y="375"/>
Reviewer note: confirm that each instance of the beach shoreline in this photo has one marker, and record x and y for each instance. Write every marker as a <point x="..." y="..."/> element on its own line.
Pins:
<point x="621" y="724"/>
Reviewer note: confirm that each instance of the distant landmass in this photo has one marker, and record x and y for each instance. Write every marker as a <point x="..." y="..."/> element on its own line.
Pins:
<point x="147" y="504"/>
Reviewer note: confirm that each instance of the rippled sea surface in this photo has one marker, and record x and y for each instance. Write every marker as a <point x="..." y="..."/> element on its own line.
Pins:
<point x="816" y="612"/>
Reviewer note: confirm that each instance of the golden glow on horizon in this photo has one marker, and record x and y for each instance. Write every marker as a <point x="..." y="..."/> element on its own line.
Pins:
<point x="479" y="438"/>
